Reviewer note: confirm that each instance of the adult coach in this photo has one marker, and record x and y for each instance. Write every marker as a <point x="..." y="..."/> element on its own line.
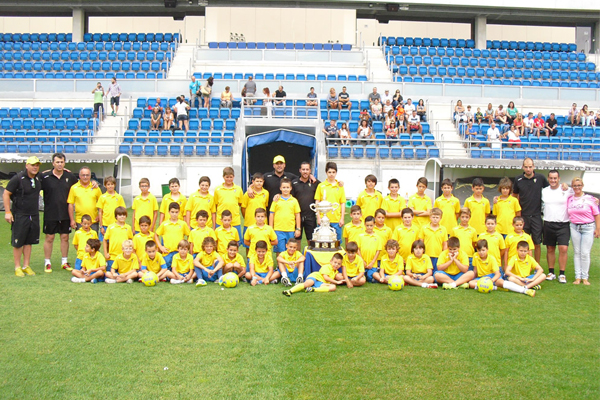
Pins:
<point x="82" y="200"/>
<point x="24" y="215"/>
<point x="304" y="189"/>
<point x="528" y="189"/>
<point x="56" y="185"/>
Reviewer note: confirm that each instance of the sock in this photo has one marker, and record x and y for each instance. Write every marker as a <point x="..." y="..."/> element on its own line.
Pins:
<point x="46" y="261"/>
<point x="283" y="272"/>
<point x="322" y="289"/>
<point x="562" y="272"/>
<point x="453" y="284"/>
<point x="513" y="287"/>
<point x="65" y="260"/>
<point x="551" y="270"/>
<point x="297" y="288"/>
<point x="424" y="285"/>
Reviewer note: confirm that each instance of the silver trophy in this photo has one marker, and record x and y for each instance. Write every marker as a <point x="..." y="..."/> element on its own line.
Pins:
<point x="324" y="236"/>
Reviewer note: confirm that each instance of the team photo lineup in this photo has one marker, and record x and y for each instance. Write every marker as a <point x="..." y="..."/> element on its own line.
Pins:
<point x="200" y="239"/>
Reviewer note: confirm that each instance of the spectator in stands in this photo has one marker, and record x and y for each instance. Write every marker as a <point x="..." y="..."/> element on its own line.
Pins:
<point x="313" y="96"/>
<point x="500" y="116"/>
<point x="489" y="113"/>
<point x="206" y="91"/>
<point x="519" y="125"/>
<point x="250" y="90"/>
<point x="155" y="119"/>
<point x="331" y="132"/>
<point x="469" y="117"/>
<point x="374" y="96"/>
<point x="551" y="125"/>
<point x="400" y="111"/>
<point x="459" y="112"/>
<point x="511" y="112"/>
<point x="422" y="110"/>
<point x="539" y="125"/>
<point x="332" y="100"/>
<point x="401" y="124"/>
<point x="528" y="128"/>
<point x="386" y="96"/>
<point x="470" y="135"/>
<point x="114" y="92"/>
<point x="391" y="132"/>
<point x="226" y="98"/>
<point x="583" y="115"/>
<point x="364" y="132"/>
<point x="181" y="108"/>
<point x="409" y="107"/>
<point x="387" y="107"/>
<point x="397" y="99"/>
<point x="280" y="96"/>
<point x="168" y="119"/>
<point x="344" y="100"/>
<point x="377" y="111"/>
<point x="365" y="116"/>
<point x="98" y="93"/>
<point x="513" y="137"/>
<point x="493" y="137"/>
<point x="267" y="103"/>
<point x="573" y="113"/>
<point x="194" y="89"/>
<point x="591" y="119"/>
<point x="414" y="123"/>
<point x="389" y="118"/>
<point x="158" y="104"/>
<point x="479" y="115"/>
<point x="345" y="134"/>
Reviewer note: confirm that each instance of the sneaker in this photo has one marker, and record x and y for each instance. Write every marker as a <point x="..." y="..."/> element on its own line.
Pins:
<point x="244" y="279"/>
<point x="67" y="266"/>
<point x="310" y="289"/>
<point x="19" y="272"/>
<point x="94" y="280"/>
<point x="48" y="268"/>
<point x="561" y="279"/>
<point x="287" y="293"/>
<point x="77" y="280"/>
<point x="432" y="286"/>
<point x="550" y="277"/>
<point x="130" y="281"/>
<point x="190" y="281"/>
<point x="464" y="286"/>
<point x="108" y="280"/>
<point x="29" y="271"/>
<point x="530" y="292"/>
<point x="176" y="281"/>
<point x="274" y="282"/>
<point x="201" y="282"/>
<point x="446" y="286"/>
<point x="537" y="287"/>
<point x="299" y="280"/>
<point x="286" y="282"/>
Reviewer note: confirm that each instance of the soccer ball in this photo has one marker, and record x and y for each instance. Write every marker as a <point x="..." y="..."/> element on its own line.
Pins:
<point x="150" y="279"/>
<point x="229" y="280"/>
<point x="485" y="285"/>
<point x="396" y="283"/>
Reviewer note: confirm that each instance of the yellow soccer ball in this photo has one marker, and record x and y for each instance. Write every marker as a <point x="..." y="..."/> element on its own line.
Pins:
<point x="150" y="279"/>
<point x="229" y="280"/>
<point x="396" y="282"/>
<point x="485" y="285"/>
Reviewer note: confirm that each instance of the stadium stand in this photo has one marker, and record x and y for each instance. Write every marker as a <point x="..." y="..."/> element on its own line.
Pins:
<point x="280" y="46"/>
<point x="282" y="76"/>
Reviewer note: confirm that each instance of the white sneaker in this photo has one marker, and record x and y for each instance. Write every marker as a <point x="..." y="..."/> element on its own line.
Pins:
<point x="562" y="279"/>
<point x="108" y="280"/>
<point x="190" y="281"/>
<point x="129" y="280"/>
<point x="201" y="282"/>
<point x="274" y="282"/>
<point x="77" y="280"/>
<point x="176" y="281"/>
<point x="285" y="281"/>
<point x="550" y="277"/>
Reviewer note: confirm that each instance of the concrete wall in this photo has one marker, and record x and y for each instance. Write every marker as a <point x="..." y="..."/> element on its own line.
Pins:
<point x="531" y="33"/>
<point x="371" y="29"/>
<point x="36" y="24"/>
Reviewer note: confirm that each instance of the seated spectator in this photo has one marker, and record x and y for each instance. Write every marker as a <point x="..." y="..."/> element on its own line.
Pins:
<point x="518" y="124"/>
<point x="583" y="115"/>
<point x="397" y="99"/>
<point x="409" y="107"/>
<point x="249" y="90"/>
<point x="414" y="123"/>
<point x="387" y="107"/>
<point x="573" y="113"/>
<point x="591" y="119"/>
<point x="479" y="116"/>
<point x="332" y="100"/>
<point x="528" y="125"/>
<point x="331" y="132"/>
<point x="389" y="118"/>
<point x="539" y="125"/>
<point x="182" y="108"/>
<point x="364" y="132"/>
<point x="511" y="112"/>
<point x="459" y="112"/>
<point x="386" y="96"/>
<point x="391" y="132"/>
<point x="206" y="91"/>
<point x="280" y="96"/>
<point x="344" y="100"/>
<point x="365" y="116"/>
<point x="469" y="115"/>
<point x="345" y="134"/>
<point x="226" y="98"/>
<point x="401" y="124"/>
<point x="374" y="96"/>
<point x="513" y="137"/>
<point x="493" y="137"/>
<point x="168" y="119"/>
<point x="489" y="113"/>
<point x="400" y="110"/>
<point x="155" y="118"/>
<point x="422" y="110"/>
<point x="313" y="96"/>
<point x="470" y="135"/>
<point x="376" y="111"/>
<point x="551" y="125"/>
<point x="157" y="103"/>
<point x="500" y="115"/>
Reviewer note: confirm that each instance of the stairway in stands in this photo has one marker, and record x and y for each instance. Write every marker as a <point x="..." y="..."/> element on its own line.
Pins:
<point x="449" y="141"/>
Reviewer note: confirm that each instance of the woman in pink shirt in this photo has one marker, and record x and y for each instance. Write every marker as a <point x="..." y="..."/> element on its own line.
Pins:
<point x="585" y="226"/>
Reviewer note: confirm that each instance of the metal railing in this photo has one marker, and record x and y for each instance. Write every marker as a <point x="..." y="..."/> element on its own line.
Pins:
<point x="265" y="107"/>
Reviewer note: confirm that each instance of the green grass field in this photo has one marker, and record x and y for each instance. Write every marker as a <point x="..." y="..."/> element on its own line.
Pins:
<point x="82" y="341"/>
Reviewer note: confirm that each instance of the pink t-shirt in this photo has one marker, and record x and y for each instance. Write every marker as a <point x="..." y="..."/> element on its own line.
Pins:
<point x="582" y="210"/>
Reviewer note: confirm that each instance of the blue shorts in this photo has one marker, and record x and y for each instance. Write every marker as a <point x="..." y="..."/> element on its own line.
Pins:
<point x="470" y="263"/>
<point x="292" y="276"/>
<point x="109" y="264"/>
<point x="282" y="239"/>
<point x="316" y="283"/>
<point x="369" y="274"/>
<point x="434" y="263"/>
<point x="78" y="263"/>
<point x="491" y="276"/>
<point x="262" y="275"/>
<point x="338" y="230"/>
<point x="200" y="273"/>
<point x="242" y="238"/>
<point x="453" y="277"/>
<point x="169" y="258"/>
<point x="100" y="235"/>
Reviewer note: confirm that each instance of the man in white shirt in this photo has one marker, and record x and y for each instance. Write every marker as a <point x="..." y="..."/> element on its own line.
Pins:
<point x="414" y="122"/>
<point x="528" y="124"/>
<point x="409" y="107"/>
<point x="114" y="92"/>
<point x="386" y="96"/>
<point x="181" y="108"/>
<point x="493" y="137"/>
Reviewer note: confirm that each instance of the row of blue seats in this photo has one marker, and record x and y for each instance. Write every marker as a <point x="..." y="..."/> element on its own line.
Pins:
<point x="283" y="112"/>
<point x="39" y="136"/>
<point x="215" y="102"/>
<point x="194" y="124"/>
<point x="131" y="37"/>
<point x="48" y="148"/>
<point x="562" y="130"/>
<point x="377" y="126"/>
<point x="46" y="112"/>
<point x="106" y="66"/>
<point x="537" y="46"/>
<point x="282" y="76"/>
<point x="280" y="46"/>
<point x="500" y="82"/>
<point x="82" y="75"/>
<point x="554" y="142"/>
<point x="470" y="43"/>
<point x="396" y="152"/>
<point x="519" y="154"/>
<point x="178" y="136"/>
<point x="404" y="139"/>
<point x="427" y="42"/>
<point x="77" y="55"/>
<point x="36" y="37"/>
<point x="193" y="113"/>
<point x="48" y="123"/>
<point x="497" y="73"/>
<point x="177" y="150"/>
<point x="484" y="53"/>
<point x="91" y="46"/>
<point x="491" y="63"/>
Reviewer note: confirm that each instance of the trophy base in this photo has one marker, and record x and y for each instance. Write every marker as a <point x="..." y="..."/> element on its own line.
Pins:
<point x="316" y="245"/>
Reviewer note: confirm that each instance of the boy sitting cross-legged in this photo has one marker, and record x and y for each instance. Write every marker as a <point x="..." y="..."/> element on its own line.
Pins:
<point x="322" y="281"/>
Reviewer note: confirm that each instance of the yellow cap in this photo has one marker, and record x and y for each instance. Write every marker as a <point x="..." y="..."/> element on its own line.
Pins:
<point x="33" y="160"/>
<point x="278" y="159"/>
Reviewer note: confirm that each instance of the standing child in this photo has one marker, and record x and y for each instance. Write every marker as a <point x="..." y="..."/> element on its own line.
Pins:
<point x="382" y="230"/>
<point x="369" y="247"/>
<point x="519" y="269"/>
<point x="170" y="233"/>
<point x="355" y="227"/>
<point x="225" y="233"/>
<point x="201" y="200"/>
<point x="228" y="196"/>
<point x="406" y="234"/>
<point x="173" y="196"/>
<point x="369" y="199"/>
<point x="420" y="203"/>
<point x="107" y="203"/>
<point x="449" y="205"/>
<point x="453" y="267"/>
<point x="353" y="267"/>
<point x="496" y="244"/>
<point x="233" y="261"/>
<point x="125" y="267"/>
<point x="392" y="263"/>
<point x="81" y="237"/>
<point x="140" y="239"/>
<point x="259" y="200"/>
<point x="393" y="205"/>
<point x="514" y="238"/>
<point x="419" y="270"/>
<point x="259" y="231"/>
<point x="322" y="281"/>
<point x="153" y="261"/>
<point x="208" y="263"/>
<point x="201" y="231"/>
<point x="285" y="216"/>
<point x="331" y="191"/>
<point x="261" y="266"/>
<point x="116" y="234"/>
<point x="291" y="264"/>
<point x="145" y="204"/>
<point x="434" y="236"/>
<point x="506" y="208"/>
<point x="479" y="206"/>
<point x="182" y="266"/>
<point x="466" y="234"/>
<point x="92" y="265"/>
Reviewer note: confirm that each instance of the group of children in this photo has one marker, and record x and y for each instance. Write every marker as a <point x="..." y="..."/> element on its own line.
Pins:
<point x="385" y="237"/>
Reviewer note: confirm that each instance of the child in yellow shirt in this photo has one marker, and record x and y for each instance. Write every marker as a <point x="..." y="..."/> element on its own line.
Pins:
<point x="173" y="196"/>
<point x="496" y="244"/>
<point x="261" y="266"/>
<point x="291" y="264"/>
<point x="520" y="267"/>
<point x="434" y="236"/>
<point x="466" y="234"/>
<point x="208" y="263"/>
<point x="125" y="267"/>
<point x="506" y="207"/>
<point x="393" y="204"/>
<point x="153" y="261"/>
<point x="93" y="264"/>
<point x="449" y="205"/>
<point x="369" y="199"/>
<point x="420" y="203"/>
<point x="201" y="231"/>
<point x="392" y="263"/>
<point x="419" y="270"/>
<point x="479" y="206"/>
<point x="233" y="261"/>
<point x="140" y="239"/>
<point x="355" y="227"/>
<point x="107" y="203"/>
<point x="322" y="281"/>
<point x="369" y="247"/>
<point x="453" y="267"/>
<point x="225" y="233"/>
<point x="145" y="204"/>
<point x="81" y="237"/>
<point x="353" y="267"/>
<point x="382" y="230"/>
<point x="182" y="263"/>
<point x="512" y="239"/>
<point x="406" y="234"/>
<point x="201" y="200"/>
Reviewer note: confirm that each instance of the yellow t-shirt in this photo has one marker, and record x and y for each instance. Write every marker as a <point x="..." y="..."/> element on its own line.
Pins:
<point x="80" y="240"/>
<point x="207" y="260"/>
<point x="450" y="207"/>
<point x="284" y="214"/>
<point x="505" y="210"/>
<point x="513" y="239"/>
<point x="229" y="199"/>
<point x="418" y="203"/>
<point x="418" y="265"/>
<point x="88" y="262"/>
<point x="197" y="237"/>
<point x="172" y="233"/>
<point x="237" y="259"/>
<point x="85" y="200"/>
<point x="108" y="203"/>
<point x="287" y="257"/>
<point x="139" y="243"/>
<point x="479" y="210"/>
<point x="353" y="268"/>
<point x="168" y="199"/>
<point x="466" y="236"/>
<point x="522" y="268"/>
<point x="495" y="244"/>
<point x="116" y="235"/>
<point x="198" y="202"/>
<point x="264" y="266"/>
<point x="260" y="200"/>
<point x="405" y="236"/>
<point x="453" y="268"/>
<point x="434" y="239"/>
<point x="182" y="266"/>
<point x="225" y="236"/>
<point x="391" y="267"/>
<point x="369" y="203"/>
<point x="393" y="206"/>
<point x="335" y="194"/>
<point x="144" y="207"/>
<point x="485" y="267"/>
<point x="123" y="265"/>
<point x="256" y="233"/>
<point x="350" y="232"/>
<point x="368" y="245"/>
<point x="385" y="234"/>
<point x="153" y="265"/>
<point x="326" y="269"/>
